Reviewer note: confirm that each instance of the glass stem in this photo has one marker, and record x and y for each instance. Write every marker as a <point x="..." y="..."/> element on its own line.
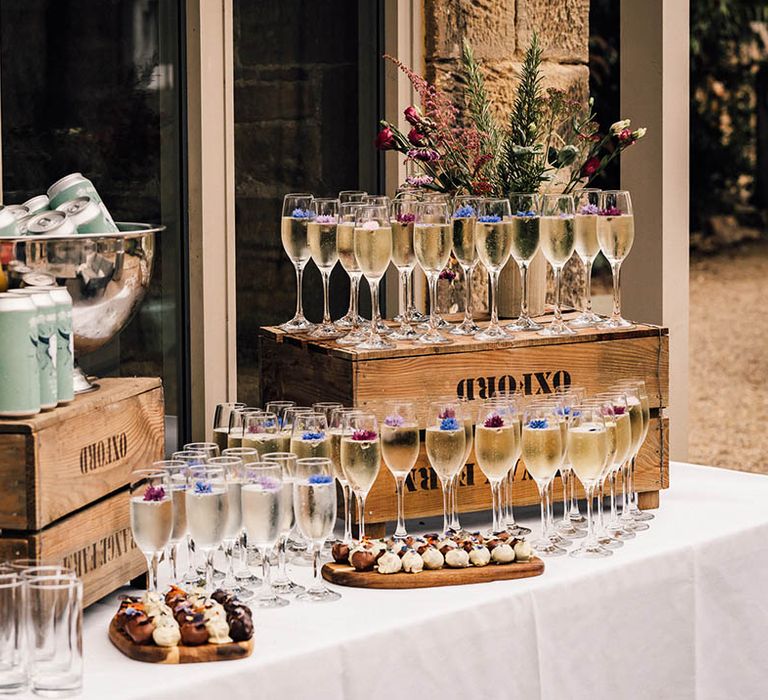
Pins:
<point x="347" y="492"/>
<point x="374" y="285"/>
<point x="612" y="477"/>
<point x="326" y="303"/>
<point x="494" y="302"/>
<point x="409" y="305"/>
<point x="600" y="495"/>
<point x="299" y="287"/>
<point x="316" y="581"/>
<point x="402" y="296"/>
<point x="616" y="269"/>
<point x="565" y="475"/>
<point x="455" y="525"/>
<point x="631" y="484"/>
<point x="152" y="571"/>
<point x="360" y="516"/>
<point x="266" y="572"/>
<point x="543" y="492"/>
<point x="400" y="531"/>
<point x="588" y="285"/>
<point x="433" y="302"/>
<point x="574" y="505"/>
<point x="209" y="569"/>
<point x="524" y="298"/>
<point x="468" y="292"/>
<point x="558" y="314"/>
<point x="591" y="539"/>
<point x="191" y="556"/>
<point x="354" y="295"/>
<point x="445" y="483"/>
<point x="229" y="547"/>
<point x="498" y="515"/>
<point x="510" y="512"/>
<point x="282" y="574"/>
<point x="173" y="552"/>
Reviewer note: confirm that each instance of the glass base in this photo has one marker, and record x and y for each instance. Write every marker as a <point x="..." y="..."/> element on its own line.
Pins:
<point x="375" y="342"/>
<point x="405" y="333"/>
<point x="383" y="328"/>
<point x="568" y="529"/>
<point x="354" y="337"/>
<point x="348" y="321"/>
<point x="268" y="601"/>
<point x="545" y="548"/>
<point x="327" y="332"/>
<point x="578" y="520"/>
<point x="616" y="323"/>
<point x="557" y="329"/>
<point x="641" y="515"/>
<point x="193" y="579"/>
<point x="609" y="542"/>
<point x="518" y="530"/>
<point x="442" y="324"/>
<point x="635" y="525"/>
<point x="466" y="327"/>
<point x="415" y="316"/>
<point x="298" y="324"/>
<point x="618" y="532"/>
<point x="57" y="689"/>
<point x="433" y="338"/>
<point x="319" y="595"/>
<point x="558" y="539"/>
<point x="287" y="587"/>
<point x="591" y="550"/>
<point x="492" y="333"/>
<point x="586" y="319"/>
<point x="524" y="323"/>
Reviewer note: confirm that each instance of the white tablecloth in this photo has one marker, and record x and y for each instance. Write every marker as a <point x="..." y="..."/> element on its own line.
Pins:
<point x="679" y="612"/>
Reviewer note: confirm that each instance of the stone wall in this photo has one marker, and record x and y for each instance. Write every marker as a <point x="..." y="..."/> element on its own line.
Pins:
<point x="500" y="32"/>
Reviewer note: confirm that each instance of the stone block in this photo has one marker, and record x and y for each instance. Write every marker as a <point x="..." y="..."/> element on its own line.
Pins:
<point x="562" y="27"/>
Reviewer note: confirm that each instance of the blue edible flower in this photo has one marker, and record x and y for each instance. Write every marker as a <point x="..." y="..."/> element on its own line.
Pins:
<point x="526" y="213"/>
<point x="312" y="436"/>
<point x="300" y="213"/>
<point x="538" y="424"/>
<point x="203" y="487"/>
<point x="449" y="424"/>
<point x="490" y="219"/>
<point x="269" y="423"/>
<point x="320" y="479"/>
<point x="464" y="212"/>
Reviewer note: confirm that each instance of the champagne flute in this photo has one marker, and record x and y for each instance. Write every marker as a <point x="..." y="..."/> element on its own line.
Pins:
<point x="360" y="456"/>
<point x="588" y="454"/>
<point x="497" y="448"/>
<point x="177" y="471"/>
<point x="236" y="420"/>
<point x="192" y="458"/>
<point x="616" y="233"/>
<point x="327" y="407"/>
<point x="289" y="418"/>
<point x="207" y="503"/>
<point x="282" y="584"/>
<point x="345" y="245"/>
<point x="542" y="449"/>
<point x="221" y="422"/>
<point x="400" y="449"/>
<point x="569" y="397"/>
<point x="151" y="516"/>
<point x="466" y="417"/>
<point x="432" y="244"/>
<point x="263" y="503"/>
<point x="445" y="442"/>
<point x="278" y="408"/>
<point x="402" y="216"/>
<point x="321" y="235"/>
<point x="373" y="250"/>
<point x="463" y="220"/>
<point x="493" y="237"/>
<point x="314" y="503"/>
<point x="587" y="246"/>
<point x="310" y="436"/>
<point x="261" y="432"/>
<point x="335" y="430"/>
<point x="526" y="239"/>
<point x="557" y="241"/>
<point x="210" y="449"/>
<point x="297" y="211"/>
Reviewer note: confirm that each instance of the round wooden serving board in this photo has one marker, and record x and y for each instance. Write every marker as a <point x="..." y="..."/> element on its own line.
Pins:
<point x="150" y="653"/>
<point x="345" y="575"/>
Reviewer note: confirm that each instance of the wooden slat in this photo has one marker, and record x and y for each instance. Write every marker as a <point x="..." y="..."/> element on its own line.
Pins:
<point x="17" y="497"/>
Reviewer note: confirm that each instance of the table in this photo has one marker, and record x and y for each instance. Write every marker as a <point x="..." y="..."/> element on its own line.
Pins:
<point x="679" y="612"/>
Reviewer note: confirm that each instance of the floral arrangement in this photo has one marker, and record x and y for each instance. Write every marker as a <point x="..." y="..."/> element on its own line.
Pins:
<point x="548" y="138"/>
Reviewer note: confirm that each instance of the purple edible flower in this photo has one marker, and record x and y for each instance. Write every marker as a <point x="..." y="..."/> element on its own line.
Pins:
<point x="428" y="155"/>
<point x="447" y="413"/>
<point x="267" y="483"/>
<point x="538" y="424"/>
<point x="449" y="424"/>
<point x="405" y="218"/>
<point x="489" y="219"/>
<point x="300" y="213"/>
<point x="325" y="219"/>
<point x="394" y="421"/>
<point x="154" y="493"/>
<point x="527" y="213"/>
<point x="203" y="487"/>
<point x="419" y="180"/>
<point x="312" y="436"/>
<point x="364" y="435"/>
<point x="589" y="209"/>
<point x="464" y="212"/>
<point x="447" y="274"/>
<point x="320" y="479"/>
<point x="618" y="410"/>
<point x="494" y="421"/>
<point x="611" y="211"/>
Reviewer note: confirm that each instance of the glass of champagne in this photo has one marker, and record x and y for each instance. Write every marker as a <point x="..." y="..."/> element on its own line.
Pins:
<point x="587" y="203"/>
<point x="207" y="502"/>
<point x="282" y="584"/>
<point x="345" y="245"/>
<point x="314" y="503"/>
<point x="278" y="408"/>
<point x="360" y="456"/>
<point x="261" y="432"/>
<point x="557" y="242"/>
<point x="297" y="211"/>
<point x="526" y="239"/>
<point x="309" y="437"/>
<point x="497" y="449"/>
<point x="151" y="516"/>
<point x="432" y="244"/>
<point x="327" y="407"/>
<point x="177" y="471"/>
<point x="616" y="233"/>
<point x="493" y="237"/>
<point x="542" y="448"/>
<point x="466" y="417"/>
<point x="263" y="503"/>
<point x="192" y="458"/>
<point x="588" y="453"/>
<point x="569" y="397"/>
<point x="400" y="449"/>
<point x="463" y="220"/>
<point x="321" y="234"/>
<point x="402" y="216"/>
<point x="210" y="449"/>
<point x="221" y="423"/>
<point x="335" y="430"/>
<point x="445" y="442"/>
<point x="373" y="251"/>
<point x="236" y="419"/>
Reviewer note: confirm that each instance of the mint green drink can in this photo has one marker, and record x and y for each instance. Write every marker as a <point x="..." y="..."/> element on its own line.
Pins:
<point x="19" y="371"/>
<point x="71" y="187"/>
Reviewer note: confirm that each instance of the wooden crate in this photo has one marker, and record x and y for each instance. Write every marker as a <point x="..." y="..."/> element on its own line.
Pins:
<point x="96" y="542"/>
<point x="296" y="368"/>
<point x="62" y="460"/>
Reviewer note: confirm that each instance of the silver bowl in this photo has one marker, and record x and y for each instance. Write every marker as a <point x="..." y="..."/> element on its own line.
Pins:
<point x="107" y="275"/>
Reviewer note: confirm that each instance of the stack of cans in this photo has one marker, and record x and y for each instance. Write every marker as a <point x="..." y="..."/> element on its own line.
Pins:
<point x="72" y="205"/>
<point x="36" y="350"/>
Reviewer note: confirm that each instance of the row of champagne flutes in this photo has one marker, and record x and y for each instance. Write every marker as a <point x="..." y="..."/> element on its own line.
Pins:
<point x="41" y="609"/>
<point x="239" y="496"/>
<point x="364" y="233"/>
